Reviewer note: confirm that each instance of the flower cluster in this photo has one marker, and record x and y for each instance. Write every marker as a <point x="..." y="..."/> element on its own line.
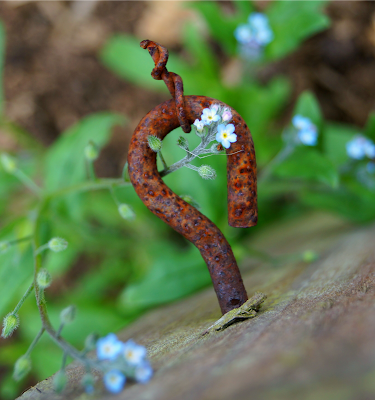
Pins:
<point x="360" y="147"/>
<point x="307" y="132"/>
<point x="254" y="35"/>
<point x="223" y="132"/>
<point x="122" y="360"/>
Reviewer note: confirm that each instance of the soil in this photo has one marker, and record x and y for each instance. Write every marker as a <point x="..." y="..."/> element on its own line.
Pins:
<point x="53" y="76"/>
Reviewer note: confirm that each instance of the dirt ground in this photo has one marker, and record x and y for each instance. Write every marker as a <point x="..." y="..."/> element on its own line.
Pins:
<point x="53" y="76"/>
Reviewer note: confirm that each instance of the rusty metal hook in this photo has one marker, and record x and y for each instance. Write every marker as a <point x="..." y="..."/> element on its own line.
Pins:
<point x="181" y="216"/>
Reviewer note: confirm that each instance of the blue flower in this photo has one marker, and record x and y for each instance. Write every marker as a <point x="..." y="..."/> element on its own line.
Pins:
<point x="307" y="132"/>
<point x="254" y="35"/>
<point x="114" y="381"/>
<point x="360" y="147"/>
<point x="225" y="135"/>
<point x="134" y="354"/>
<point x="109" y="347"/>
<point x="143" y="372"/>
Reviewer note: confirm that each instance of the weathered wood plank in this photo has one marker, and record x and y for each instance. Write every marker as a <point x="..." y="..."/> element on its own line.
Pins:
<point x="314" y="336"/>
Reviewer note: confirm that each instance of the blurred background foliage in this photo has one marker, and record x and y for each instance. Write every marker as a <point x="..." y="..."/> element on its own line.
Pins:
<point x="73" y="72"/>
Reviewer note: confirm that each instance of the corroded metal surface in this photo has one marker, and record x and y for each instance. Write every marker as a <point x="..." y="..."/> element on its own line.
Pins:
<point x="185" y="219"/>
<point x="181" y="216"/>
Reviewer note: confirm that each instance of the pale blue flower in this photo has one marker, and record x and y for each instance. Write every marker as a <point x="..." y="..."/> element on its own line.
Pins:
<point x="210" y="115"/>
<point x="109" y="347"/>
<point x="225" y="135"/>
<point x="143" y="372"/>
<point x="308" y="137"/>
<point x="114" y="381"/>
<point x="227" y="115"/>
<point x="307" y="132"/>
<point x="133" y="353"/>
<point x="254" y="35"/>
<point x="359" y="147"/>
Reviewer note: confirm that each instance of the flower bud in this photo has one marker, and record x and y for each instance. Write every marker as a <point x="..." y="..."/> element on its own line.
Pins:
<point x="190" y="200"/>
<point x="4" y="247"/>
<point x="57" y="244"/>
<point x="90" y="341"/>
<point x="183" y="143"/>
<point x="43" y="278"/>
<point x="59" y="381"/>
<point x="91" y="151"/>
<point x="67" y="315"/>
<point x="310" y="256"/>
<point x="88" y="382"/>
<point x="154" y="143"/>
<point x="10" y="324"/>
<point x="126" y="211"/>
<point x="21" y="367"/>
<point x="215" y="149"/>
<point x="206" y="172"/>
<point x="9" y="163"/>
<point x="227" y="115"/>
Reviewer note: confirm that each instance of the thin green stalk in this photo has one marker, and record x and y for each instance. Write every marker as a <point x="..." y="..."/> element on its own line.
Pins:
<point x="24" y="297"/>
<point x="34" y="342"/>
<point x="90" y="170"/>
<point x="29" y="183"/>
<point x="162" y="160"/>
<point x="279" y="158"/>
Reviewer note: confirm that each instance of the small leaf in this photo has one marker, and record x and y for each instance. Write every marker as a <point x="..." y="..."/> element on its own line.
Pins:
<point x="308" y="163"/>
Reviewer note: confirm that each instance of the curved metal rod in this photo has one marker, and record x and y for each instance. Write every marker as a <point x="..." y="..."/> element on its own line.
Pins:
<point x="185" y="219"/>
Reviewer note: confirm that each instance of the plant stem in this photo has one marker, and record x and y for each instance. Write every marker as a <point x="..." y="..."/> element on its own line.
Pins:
<point x="163" y="160"/>
<point x="280" y="157"/>
<point x="34" y="342"/>
<point x="29" y="183"/>
<point x="24" y="297"/>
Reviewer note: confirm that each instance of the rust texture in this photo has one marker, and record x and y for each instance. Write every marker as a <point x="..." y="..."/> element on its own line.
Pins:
<point x="181" y="216"/>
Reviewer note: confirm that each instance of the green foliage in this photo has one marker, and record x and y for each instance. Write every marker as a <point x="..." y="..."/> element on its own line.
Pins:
<point x="121" y="259"/>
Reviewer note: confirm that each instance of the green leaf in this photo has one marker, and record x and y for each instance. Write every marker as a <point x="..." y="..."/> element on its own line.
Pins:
<point x="222" y="25"/>
<point x="65" y="163"/>
<point x="2" y="56"/>
<point x="335" y="138"/>
<point x="171" y="276"/>
<point x="292" y="22"/>
<point x="370" y="126"/>
<point x="308" y="163"/>
<point x="307" y="105"/>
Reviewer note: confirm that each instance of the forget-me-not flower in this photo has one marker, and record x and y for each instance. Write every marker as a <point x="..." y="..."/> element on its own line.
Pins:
<point x="134" y="353"/>
<point x="143" y="372"/>
<point x="225" y="135"/>
<point x="227" y="115"/>
<point x="307" y="132"/>
<point x="210" y="115"/>
<point x="114" y="381"/>
<point x="254" y="35"/>
<point x="360" y="147"/>
<point x="109" y="347"/>
<point x="199" y="125"/>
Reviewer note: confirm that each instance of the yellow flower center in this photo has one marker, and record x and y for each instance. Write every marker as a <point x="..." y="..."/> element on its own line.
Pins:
<point x="225" y="135"/>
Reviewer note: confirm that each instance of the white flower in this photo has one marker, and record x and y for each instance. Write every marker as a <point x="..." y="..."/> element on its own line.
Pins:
<point x="225" y="135"/>
<point x="134" y="353"/>
<point x="199" y="125"/>
<point x="210" y="115"/>
<point x="227" y="115"/>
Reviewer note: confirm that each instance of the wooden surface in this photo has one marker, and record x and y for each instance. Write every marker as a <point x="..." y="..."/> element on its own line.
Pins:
<point x="314" y="337"/>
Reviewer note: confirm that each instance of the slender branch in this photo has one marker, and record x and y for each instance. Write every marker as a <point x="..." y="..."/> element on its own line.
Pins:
<point x="29" y="183"/>
<point x="24" y="297"/>
<point x="163" y="160"/>
<point x="35" y="341"/>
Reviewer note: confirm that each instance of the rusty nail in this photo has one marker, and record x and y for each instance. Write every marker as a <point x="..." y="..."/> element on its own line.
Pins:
<point x="181" y="216"/>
